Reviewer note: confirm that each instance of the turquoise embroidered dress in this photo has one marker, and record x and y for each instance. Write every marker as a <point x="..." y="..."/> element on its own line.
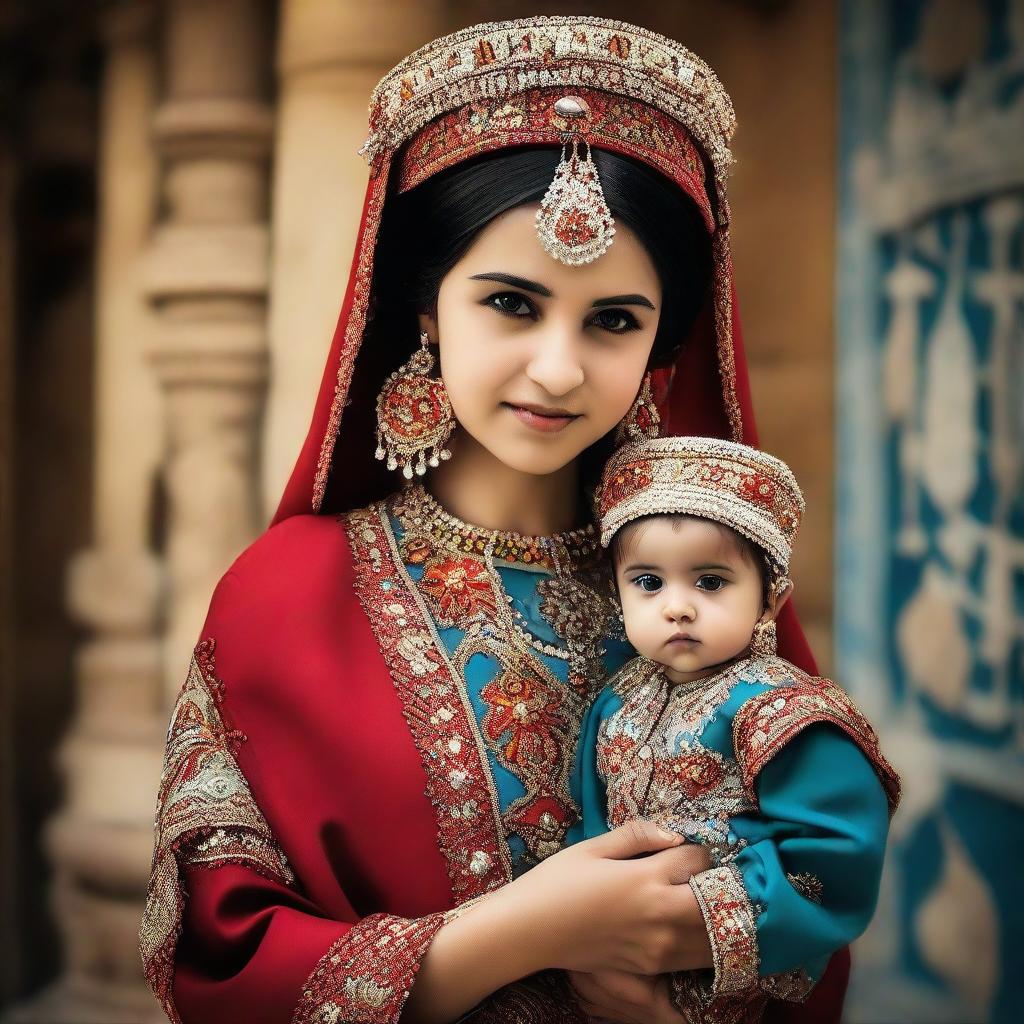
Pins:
<point x="523" y="621"/>
<point x="780" y="776"/>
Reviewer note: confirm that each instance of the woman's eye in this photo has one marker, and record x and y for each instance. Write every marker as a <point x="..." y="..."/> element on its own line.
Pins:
<point x="618" y="321"/>
<point x="511" y="304"/>
<point x="649" y="583"/>
<point x="710" y="582"/>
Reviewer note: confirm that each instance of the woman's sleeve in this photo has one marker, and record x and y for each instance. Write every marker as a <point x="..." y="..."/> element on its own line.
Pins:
<point x="807" y="882"/>
<point x="226" y="933"/>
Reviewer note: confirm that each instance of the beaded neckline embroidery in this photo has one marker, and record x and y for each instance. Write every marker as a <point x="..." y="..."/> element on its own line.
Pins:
<point x="560" y="552"/>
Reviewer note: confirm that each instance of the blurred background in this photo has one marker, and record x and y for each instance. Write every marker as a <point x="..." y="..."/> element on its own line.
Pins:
<point x="179" y="193"/>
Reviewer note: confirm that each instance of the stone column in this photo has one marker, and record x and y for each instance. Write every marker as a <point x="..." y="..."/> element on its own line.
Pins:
<point x="207" y="279"/>
<point x="331" y="54"/>
<point x="100" y="841"/>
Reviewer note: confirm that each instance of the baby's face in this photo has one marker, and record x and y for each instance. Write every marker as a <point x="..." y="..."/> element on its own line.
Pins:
<point x="690" y="594"/>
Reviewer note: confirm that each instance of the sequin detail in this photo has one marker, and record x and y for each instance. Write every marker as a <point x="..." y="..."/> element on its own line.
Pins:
<point x="617" y="123"/>
<point x="652" y="763"/>
<point x="206" y="815"/>
<point x="808" y="885"/>
<point x="767" y="722"/>
<point x="530" y="722"/>
<point x="744" y="488"/>
<point x="365" y="977"/>
<point x="732" y="928"/>
<point x="434" y="705"/>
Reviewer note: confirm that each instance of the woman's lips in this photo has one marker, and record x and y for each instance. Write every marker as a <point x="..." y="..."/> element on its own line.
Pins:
<point x="547" y="420"/>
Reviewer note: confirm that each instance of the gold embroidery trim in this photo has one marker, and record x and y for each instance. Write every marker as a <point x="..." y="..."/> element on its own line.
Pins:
<point x="732" y="928"/>
<point x="767" y="722"/>
<point x="366" y="976"/>
<point x="206" y="815"/>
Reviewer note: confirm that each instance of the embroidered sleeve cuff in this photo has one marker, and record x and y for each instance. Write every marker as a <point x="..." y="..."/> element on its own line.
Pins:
<point x="366" y="976"/>
<point x="732" y="928"/>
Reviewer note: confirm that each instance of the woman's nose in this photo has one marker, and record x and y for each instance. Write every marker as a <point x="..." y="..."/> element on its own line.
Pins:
<point x="555" y="364"/>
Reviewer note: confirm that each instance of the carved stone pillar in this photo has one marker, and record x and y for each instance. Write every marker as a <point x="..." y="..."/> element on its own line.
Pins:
<point x="100" y="840"/>
<point x="330" y="55"/>
<point x="207" y="279"/>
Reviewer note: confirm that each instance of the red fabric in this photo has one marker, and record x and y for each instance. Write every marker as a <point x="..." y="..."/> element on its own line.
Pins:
<point x="355" y="824"/>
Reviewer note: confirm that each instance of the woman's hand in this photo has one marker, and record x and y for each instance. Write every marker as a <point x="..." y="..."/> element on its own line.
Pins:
<point x="592" y="908"/>
<point x="625" y="998"/>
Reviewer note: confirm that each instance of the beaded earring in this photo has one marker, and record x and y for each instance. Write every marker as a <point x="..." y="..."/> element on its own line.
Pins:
<point x="642" y="422"/>
<point x="764" y="642"/>
<point x="414" y="415"/>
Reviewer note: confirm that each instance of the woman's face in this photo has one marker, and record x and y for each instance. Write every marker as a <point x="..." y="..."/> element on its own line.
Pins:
<point x="541" y="359"/>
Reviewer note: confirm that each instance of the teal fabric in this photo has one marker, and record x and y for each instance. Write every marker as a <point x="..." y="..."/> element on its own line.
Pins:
<point x="822" y="811"/>
<point x="520" y="583"/>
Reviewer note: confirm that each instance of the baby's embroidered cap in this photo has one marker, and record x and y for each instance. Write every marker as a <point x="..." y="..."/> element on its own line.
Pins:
<point x="741" y="487"/>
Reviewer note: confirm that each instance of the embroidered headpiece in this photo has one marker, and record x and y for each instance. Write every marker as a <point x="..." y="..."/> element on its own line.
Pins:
<point x="552" y="81"/>
<point x="741" y="487"/>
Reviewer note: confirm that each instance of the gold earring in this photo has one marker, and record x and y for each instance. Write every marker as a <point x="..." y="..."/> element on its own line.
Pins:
<point x="642" y="421"/>
<point x="414" y="415"/>
<point x="765" y="641"/>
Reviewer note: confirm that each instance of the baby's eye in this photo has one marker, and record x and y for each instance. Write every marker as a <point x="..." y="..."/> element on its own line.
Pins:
<point x="649" y="583"/>
<point x="710" y="582"/>
<point x="511" y="304"/>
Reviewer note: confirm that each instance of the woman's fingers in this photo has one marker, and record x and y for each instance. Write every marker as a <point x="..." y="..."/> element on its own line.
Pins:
<point x="619" y="996"/>
<point x="683" y="862"/>
<point x="632" y="839"/>
<point x="601" y="998"/>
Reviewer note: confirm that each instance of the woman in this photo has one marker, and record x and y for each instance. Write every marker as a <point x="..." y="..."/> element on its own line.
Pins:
<point x="380" y="721"/>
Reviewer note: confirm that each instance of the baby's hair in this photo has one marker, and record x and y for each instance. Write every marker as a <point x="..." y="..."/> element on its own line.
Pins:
<point x="624" y="539"/>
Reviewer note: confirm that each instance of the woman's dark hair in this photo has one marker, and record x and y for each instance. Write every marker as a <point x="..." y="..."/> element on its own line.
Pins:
<point x="427" y="230"/>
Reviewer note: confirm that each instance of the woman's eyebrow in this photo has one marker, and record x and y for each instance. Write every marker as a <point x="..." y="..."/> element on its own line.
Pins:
<point x="538" y="289"/>
<point x="625" y="300"/>
<point x="516" y="282"/>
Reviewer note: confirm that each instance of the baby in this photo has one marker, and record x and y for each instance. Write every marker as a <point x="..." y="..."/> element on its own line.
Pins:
<point x="711" y="734"/>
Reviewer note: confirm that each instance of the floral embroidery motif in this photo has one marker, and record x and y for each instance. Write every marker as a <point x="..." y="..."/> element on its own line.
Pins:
<point x="758" y="488"/>
<point x="524" y="720"/>
<point x="365" y="977"/>
<point x="581" y="609"/>
<point x="435" y="707"/>
<point x="737" y="485"/>
<point x="530" y="723"/>
<point x="459" y="589"/>
<point x="653" y="764"/>
<point x="627" y="482"/>
<point x="206" y="815"/>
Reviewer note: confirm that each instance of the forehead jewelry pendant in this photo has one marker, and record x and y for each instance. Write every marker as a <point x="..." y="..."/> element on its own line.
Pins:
<point x="574" y="223"/>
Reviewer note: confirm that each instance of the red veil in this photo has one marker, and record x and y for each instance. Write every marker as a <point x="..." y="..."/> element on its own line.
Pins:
<point x="286" y="627"/>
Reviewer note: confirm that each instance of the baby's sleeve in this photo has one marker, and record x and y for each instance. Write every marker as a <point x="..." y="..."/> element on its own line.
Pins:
<point x="806" y="882"/>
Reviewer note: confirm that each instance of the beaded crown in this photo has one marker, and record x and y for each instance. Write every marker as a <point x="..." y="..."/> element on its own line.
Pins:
<point x="741" y="487"/>
<point x="506" y="77"/>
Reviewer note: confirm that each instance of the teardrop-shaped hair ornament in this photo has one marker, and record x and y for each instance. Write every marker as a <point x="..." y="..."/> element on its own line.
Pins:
<point x="574" y="223"/>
